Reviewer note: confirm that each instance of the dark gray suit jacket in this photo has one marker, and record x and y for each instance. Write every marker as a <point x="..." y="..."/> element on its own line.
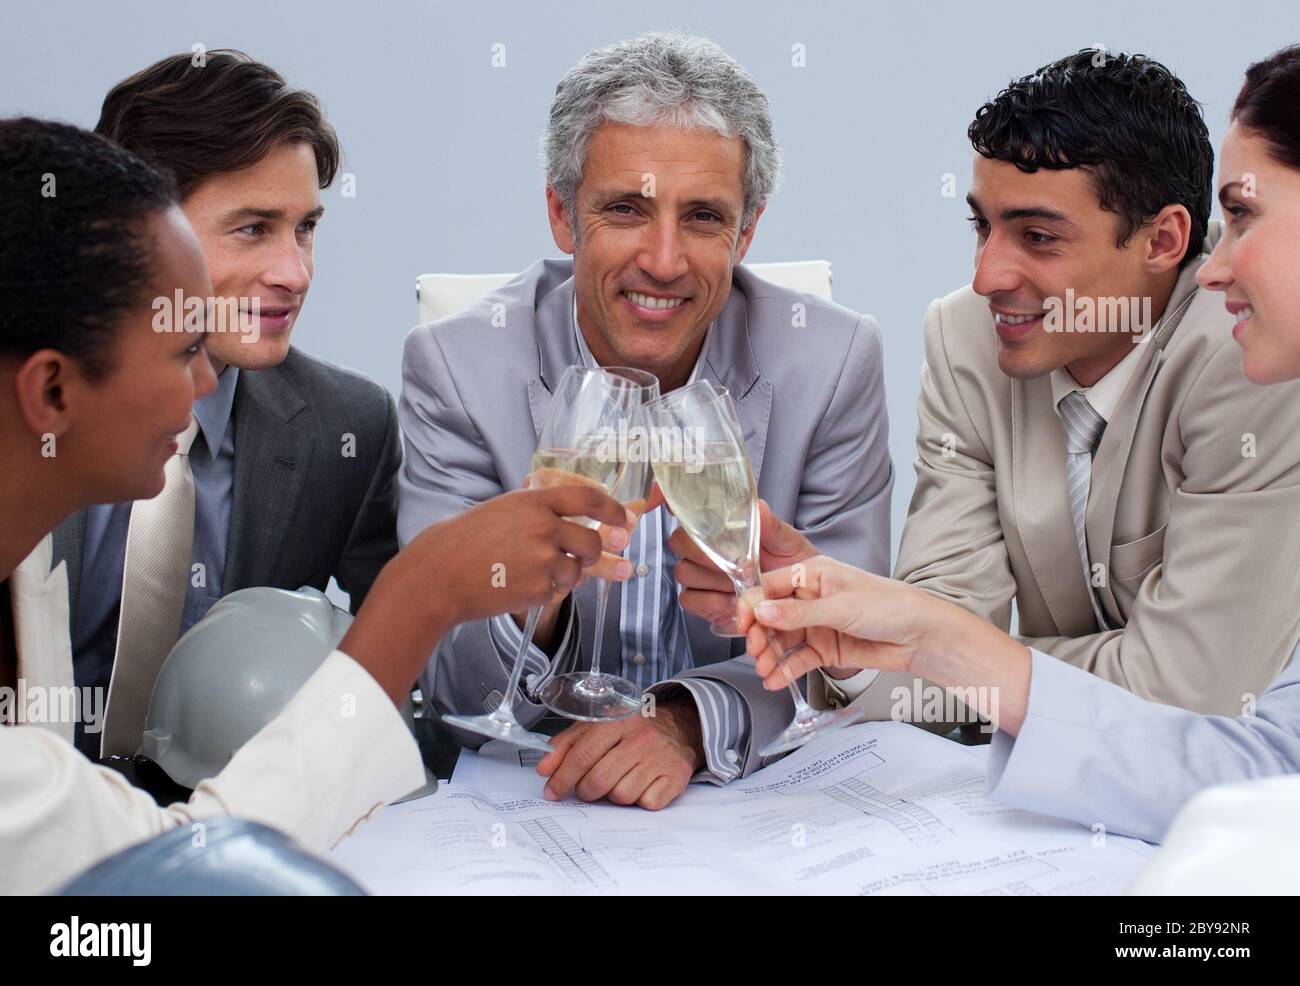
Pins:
<point x="301" y="509"/>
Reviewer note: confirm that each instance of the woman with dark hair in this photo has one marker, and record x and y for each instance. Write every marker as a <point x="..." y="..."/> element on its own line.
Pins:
<point x="1069" y="743"/>
<point x="92" y="396"/>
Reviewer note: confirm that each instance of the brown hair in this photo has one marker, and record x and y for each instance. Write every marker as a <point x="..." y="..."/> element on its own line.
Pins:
<point x="1269" y="103"/>
<point x="197" y="116"/>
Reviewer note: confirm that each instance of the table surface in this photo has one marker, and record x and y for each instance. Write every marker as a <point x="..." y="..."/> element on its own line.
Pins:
<point x="438" y="748"/>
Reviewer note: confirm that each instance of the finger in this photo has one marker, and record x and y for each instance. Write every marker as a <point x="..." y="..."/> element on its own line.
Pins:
<point x="655" y="499"/>
<point x="708" y="605"/>
<point x="791" y="614"/>
<point x="744" y="617"/>
<point x="796" y="664"/>
<point x="680" y="543"/>
<point x="590" y="747"/>
<point x="778" y="538"/>
<point x="693" y="575"/>
<point x="613" y="539"/>
<point x="635" y="783"/>
<point x="565" y="573"/>
<point x="581" y="542"/>
<point x="758" y="643"/>
<point x="588" y="501"/>
<point x="610" y="567"/>
<point x="618" y="761"/>
<point x="782" y="582"/>
<point x="661" y="793"/>
<point x="562" y="742"/>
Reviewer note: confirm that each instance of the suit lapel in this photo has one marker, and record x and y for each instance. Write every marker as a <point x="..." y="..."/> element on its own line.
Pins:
<point x="69" y="544"/>
<point x="40" y="604"/>
<point x="1111" y="462"/>
<point x="272" y="459"/>
<point x="557" y="349"/>
<point x="1108" y="468"/>
<point x="729" y="361"/>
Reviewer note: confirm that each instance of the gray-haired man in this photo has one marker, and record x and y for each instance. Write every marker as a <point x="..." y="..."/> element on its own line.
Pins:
<point x="660" y="159"/>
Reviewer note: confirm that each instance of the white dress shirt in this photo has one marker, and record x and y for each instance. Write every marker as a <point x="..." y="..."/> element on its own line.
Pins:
<point x="1105" y="394"/>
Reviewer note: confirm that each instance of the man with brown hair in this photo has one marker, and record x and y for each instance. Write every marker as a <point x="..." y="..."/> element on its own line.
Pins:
<point x="285" y="476"/>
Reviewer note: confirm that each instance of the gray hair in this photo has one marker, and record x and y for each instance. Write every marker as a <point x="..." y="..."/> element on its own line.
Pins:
<point x="660" y="79"/>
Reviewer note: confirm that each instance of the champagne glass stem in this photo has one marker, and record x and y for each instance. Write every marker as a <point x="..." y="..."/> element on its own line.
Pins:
<point x="802" y="709"/>
<point x="602" y="604"/>
<point x="505" y="711"/>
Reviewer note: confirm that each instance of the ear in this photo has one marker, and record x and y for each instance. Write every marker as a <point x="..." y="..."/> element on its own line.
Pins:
<point x="747" y="235"/>
<point x="558" y="216"/>
<point x="1168" y="236"/>
<point x="49" y="386"/>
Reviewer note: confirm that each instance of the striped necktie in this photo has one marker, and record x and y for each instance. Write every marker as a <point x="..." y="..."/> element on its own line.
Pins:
<point x="1083" y="428"/>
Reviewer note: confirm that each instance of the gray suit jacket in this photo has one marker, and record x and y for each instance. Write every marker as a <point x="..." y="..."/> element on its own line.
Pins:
<point x="810" y="399"/>
<point x="1091" y="751"/>
<point x="301" y="509"/>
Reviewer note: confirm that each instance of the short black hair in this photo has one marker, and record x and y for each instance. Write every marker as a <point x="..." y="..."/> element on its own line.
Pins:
<point x="197" y="117"/>
<point x="1126" y="118"/>
<point x="74" y="252"/>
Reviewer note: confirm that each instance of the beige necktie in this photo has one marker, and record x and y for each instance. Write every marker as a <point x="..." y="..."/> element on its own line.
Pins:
<point x="155" y="575"/>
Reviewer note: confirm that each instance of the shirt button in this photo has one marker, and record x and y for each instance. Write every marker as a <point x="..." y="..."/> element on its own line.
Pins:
<point x="638" y="659"/>
<point x="642" y="569"/>
<point x="732" y="756"/>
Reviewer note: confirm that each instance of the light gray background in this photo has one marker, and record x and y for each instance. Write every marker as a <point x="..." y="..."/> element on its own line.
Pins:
<point x="444" y="146"/>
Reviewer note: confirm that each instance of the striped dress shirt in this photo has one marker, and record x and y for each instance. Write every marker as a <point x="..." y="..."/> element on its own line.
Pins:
<point x="654" y="645"/>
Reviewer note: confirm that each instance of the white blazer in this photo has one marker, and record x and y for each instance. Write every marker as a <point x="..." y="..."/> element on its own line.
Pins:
<point x="313" y="772"/>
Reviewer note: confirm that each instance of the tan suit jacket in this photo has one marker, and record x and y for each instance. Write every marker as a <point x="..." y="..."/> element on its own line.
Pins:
<point x="313" y="771"/>
<point x="1194" y="509"/>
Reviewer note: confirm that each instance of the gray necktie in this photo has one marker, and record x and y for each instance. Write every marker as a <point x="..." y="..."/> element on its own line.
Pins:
<point x="1083" y="428"/>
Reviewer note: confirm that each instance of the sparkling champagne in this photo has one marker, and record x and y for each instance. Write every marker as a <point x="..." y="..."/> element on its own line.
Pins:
<point x="588" y="462"/>
<point x="713" y="496"/>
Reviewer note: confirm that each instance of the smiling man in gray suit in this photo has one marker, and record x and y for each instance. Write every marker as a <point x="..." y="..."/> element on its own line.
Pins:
<point x="660" y="159"/>
<point x="293" y="464"/>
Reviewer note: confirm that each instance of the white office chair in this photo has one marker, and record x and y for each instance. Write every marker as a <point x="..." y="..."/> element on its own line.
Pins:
<point x="440" y="295"/>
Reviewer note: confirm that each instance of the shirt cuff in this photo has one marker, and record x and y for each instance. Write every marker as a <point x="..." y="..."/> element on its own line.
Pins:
<point x="507" y="635"/>
<point x="724" y="725"/>
<point x="1023" y="763"/>
<point x="843" y="691"/>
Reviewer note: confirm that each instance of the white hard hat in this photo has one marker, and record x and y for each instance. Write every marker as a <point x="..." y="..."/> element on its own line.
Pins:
<point x="232" y="673"/>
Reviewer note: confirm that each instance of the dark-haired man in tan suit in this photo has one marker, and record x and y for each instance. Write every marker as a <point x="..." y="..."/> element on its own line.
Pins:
<point x="1122" y="483"/>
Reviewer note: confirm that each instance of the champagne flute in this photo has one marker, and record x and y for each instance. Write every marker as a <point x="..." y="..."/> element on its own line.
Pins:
<point x="594" y="696"/>
<point x="574" y="448"/>
<point x="703" y="470"/>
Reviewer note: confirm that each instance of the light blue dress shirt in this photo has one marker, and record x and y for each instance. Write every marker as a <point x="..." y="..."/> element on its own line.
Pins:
<point x="1093" y="752"/>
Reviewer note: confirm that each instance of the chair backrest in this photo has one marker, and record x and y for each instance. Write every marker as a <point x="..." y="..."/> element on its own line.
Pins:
<point x="440" y="295"/>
